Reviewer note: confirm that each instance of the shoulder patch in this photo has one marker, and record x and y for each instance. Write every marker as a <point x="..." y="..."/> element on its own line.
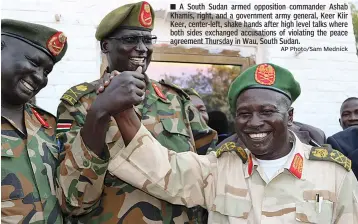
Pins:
<point x="326" y="153"/>
<point x="75" y="93"/>
<point x="176" y="87"/>
<point x="231" y="147"/>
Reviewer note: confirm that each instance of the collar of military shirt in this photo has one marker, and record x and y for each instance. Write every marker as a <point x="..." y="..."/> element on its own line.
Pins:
<point x="159" y="93"/>
<point x="294" y="164"/>
<point x="42" y="121"/>
<point x="154" y="92"/>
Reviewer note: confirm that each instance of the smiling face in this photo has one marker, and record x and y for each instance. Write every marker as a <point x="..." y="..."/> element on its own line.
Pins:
<point x="24" y="70"/>
<point x="262" y="117"/>
<point x="124" y="51"/>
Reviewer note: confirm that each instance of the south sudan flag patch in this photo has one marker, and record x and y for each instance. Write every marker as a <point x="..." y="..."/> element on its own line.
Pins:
<point x="63" y="125"/>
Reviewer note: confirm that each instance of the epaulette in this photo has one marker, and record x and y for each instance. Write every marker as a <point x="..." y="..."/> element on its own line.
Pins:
<point x="231" y="147"/>
<point x="326" y="153"/>
<point x="75" y="93"/>
<point x="176" y="87"/>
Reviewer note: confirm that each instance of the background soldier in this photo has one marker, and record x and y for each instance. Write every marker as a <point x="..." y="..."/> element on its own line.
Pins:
<point x="349" y="113"/>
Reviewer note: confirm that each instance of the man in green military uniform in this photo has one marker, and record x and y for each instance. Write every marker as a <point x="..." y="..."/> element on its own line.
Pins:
<point x="198" y="103"/>
<point x="29" y="149"/>
<point x="276" y="179"/>
<point x="91" y="120"/>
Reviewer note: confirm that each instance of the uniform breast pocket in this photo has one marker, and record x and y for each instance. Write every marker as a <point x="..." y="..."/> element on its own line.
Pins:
<point x="175" y="135"/>
<point x="311" y="212"/>
<point x="12" y="195"/>
<point x="235" y="208"/>
<point x="11" y="188"/>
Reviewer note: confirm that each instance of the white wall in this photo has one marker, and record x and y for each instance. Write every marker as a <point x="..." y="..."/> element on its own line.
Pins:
<point x="326" y="78"/>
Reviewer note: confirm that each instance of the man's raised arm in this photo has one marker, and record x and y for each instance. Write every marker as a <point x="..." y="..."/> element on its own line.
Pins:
<point x="179" y="178"/>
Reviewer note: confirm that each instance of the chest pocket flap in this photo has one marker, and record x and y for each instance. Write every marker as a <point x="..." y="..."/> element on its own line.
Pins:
<point x="232" y="206"/>
<point x="175" y="126"/>
<point x="311" y="211"/>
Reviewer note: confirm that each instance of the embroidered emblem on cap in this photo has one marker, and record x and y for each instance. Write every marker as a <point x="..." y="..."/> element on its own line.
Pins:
<point x="56" y="43"/>
<point x="145" y="15"/>
<point x="265" y="75"/>
<point x="296" y="166"/>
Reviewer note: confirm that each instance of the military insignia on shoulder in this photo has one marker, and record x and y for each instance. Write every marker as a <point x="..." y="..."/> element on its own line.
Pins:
<point x="326" y="153"/>
<point x="42" y="121"/>
<point x="72" y="95"/>
<point x="231" y="147"/>
<point x="43" y="116"/>
<point x="177" y="88"/>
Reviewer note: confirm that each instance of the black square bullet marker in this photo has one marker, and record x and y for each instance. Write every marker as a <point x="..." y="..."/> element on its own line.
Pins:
<point x="172" y="6"/>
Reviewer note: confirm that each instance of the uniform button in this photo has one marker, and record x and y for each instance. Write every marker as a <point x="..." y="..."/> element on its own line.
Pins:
<point x="86" y="163"/>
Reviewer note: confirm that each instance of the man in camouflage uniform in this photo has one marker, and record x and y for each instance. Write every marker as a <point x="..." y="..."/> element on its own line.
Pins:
<point x="276" y="179"/>
<point x="29" y="149"/>
<point x="198" y="103"/>
<point x="89" y="120"/>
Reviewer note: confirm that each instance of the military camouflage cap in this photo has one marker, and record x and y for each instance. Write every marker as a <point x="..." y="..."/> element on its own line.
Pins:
<point x="264" y="76"/>
<point x="191" y="91"/>
<point x="138" y="15"/>
<point x="50" y="41"/>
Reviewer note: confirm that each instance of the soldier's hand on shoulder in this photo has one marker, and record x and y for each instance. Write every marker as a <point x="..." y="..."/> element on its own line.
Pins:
<point x="123" y="91"/>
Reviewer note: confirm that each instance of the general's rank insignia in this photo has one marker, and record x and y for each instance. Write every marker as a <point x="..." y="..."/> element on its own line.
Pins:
<point x="56" y="43"/>
<point x="81" y="88"/>
<point x="158" y="91"/>
<point x="231" y="147"/>
<point x="145" y="15"/>
<point x="40" y="119"/>
<point x="297" y="165"/>
<point x="265" y="75"/>
<point x="326" y="153"/>
<point x="72" y="95"/>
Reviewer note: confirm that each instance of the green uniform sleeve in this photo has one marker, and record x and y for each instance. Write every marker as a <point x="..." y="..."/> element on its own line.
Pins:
<point x="81" y="172"/>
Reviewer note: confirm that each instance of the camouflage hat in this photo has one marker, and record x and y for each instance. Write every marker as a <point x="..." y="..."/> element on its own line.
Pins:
<point x="264" y="76"/>
<point x="138" y="15"/>
<point x="191" y="91"/>
<point x="50" y="41"/>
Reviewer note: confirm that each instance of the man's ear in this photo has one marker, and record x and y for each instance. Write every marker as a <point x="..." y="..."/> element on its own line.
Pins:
<point x="290" y="116"/>
<point x="105" y="46"/>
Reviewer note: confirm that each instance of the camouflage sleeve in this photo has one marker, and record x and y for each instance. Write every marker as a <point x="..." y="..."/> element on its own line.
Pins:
<point x="179" y="178"/>
<point x="346" y="211"/>
<point x="205" y="137"/>
<point x="80" y="174"/>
